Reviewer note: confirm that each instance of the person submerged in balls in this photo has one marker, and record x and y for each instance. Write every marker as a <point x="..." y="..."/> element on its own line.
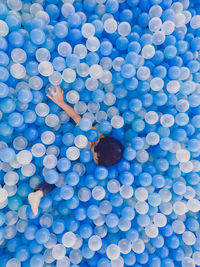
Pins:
<point x="107" y="151"/>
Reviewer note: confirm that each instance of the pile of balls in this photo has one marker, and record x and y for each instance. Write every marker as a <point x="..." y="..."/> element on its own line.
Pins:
<point x="132" y="69"/>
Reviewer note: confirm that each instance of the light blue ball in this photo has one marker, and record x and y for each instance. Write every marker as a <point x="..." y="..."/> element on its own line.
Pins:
<point x="13" y="22"/>
<point x="128" y="213"/>
<point x="35" y="247"/>
<point x="37" y="36"/>
<point x="93" y="212"/>
<point x="85" y="124"/>
<point x="58" y="226"/>
<point x="60" y="30"/>
<point x="129" y="153"/>
<point x="4" y="59"/>
<point x="98" y="96"/>
<point x="4" y="74"/>
<point x="42" y="235"/>
<point x="85" y="231"/>
<point x="72" y="61"/>
<point x="15" y="119"/>
<point x="3" y="11"/>
<point x="72" y="178"/>
<point x="66" y="192"/>
<point x="100" y="172"/>
<point x="37" y="260"/>
<point x="126" y="178"/>
<point x="51" y="176"/>
<point x="7" y="154"/>
<point x="105" y="127"/>
<point x="30" y="232"/>
<point x="25" y="96"/>
<point x="4" y="90"/>
<point x="23" y="253"/>
<point x="63" y="164"/>
<point x="86" y="155"/>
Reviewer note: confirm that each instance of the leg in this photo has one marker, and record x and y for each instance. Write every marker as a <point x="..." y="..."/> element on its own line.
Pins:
<point x="41" y="190"/>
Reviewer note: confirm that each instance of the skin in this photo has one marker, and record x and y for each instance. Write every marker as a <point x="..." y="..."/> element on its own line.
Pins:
<point x="57" y="97"/>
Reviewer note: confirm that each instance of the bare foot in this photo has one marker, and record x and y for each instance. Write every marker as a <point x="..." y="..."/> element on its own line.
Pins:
<point x="34" y="200"/>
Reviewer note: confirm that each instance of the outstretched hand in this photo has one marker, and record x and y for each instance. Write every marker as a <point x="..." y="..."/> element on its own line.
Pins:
<point x="57" y="96"/>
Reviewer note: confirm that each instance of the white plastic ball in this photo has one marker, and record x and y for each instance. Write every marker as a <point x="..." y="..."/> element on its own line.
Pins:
<point x="95" y="243"/>
<point x="45" y="68"/>
<point x="73" y="153"/>
<point x="110" y="25"/>
<point x="68" y="239"/>
<point x="69" y="75"/>
<point x="113" y="252"/>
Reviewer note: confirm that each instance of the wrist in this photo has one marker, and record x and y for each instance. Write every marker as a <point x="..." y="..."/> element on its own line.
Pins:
<point x="61" y="103"/>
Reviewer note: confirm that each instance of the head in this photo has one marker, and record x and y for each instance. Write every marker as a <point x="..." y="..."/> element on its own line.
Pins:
<point x="107" y="151"/>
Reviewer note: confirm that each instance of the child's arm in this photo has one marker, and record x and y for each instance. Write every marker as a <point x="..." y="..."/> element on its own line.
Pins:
<point x="57" y="97"/>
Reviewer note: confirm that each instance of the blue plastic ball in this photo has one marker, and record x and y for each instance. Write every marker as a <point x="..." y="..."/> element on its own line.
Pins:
<point x="16" y="39"/>
<point x="51" y="176"/>
<point x="37" y="36"/>
<point x="7" y="154"/>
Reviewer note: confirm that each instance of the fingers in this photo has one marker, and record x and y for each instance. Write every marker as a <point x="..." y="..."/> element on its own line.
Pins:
<point x="51" y="90"/>
<point x="58" y="89"/>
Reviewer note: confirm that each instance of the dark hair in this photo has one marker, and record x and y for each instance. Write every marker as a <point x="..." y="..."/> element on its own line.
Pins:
<point x="109" y="151"/>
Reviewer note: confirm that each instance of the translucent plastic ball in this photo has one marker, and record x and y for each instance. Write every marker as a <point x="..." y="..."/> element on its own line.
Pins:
<point x="143" y="73"/>
<point x="68" y="239"/>
<point x="148" y="51"/>
<point x="4" y="29"/>
<point x="25" y="96"/>
<point x="124" y="28"/>
<point x="73" y="153"/>
<point x="18" y="71"/>
<point x="168" y="27"/>
<point x="113" y="252"/>
<point x="7" y="154"/>
<point x="92" y="44"/>
<point x="81" y="141"/>
<point x="117" y="121"/>
<point x="11" y="178"/>
<point x="69" y="75"/>
<point x="37" y="260"/>
<point x="45" y="68"/>
<point x="155" y="24"/>
<point x="4" y="195"/>
<point x="51" y="176"/>
<point x="85" y="124"/>
<point x="4" y="90"/>
<point x="66" y="192"/>
<point x="156" y="84"/>
<point x="37" y="36"/>
<point x="88" y="30"/>
<point x="63" y="164"/>
<point x="47" y="137"/>
<point x="94" y="243"/>
<point x="58" y="252"/>
<point x="42" y="235"/>
<point x="13" y="262"/>
<point x="60" y="30"/>
<point x="72" y="96"/>
<point x="92" y="135"/>
<point x="110" y="25"/>
<point x="24" y="157"/>
<point x="15" y="119"/>
<point x="38" y="150"/>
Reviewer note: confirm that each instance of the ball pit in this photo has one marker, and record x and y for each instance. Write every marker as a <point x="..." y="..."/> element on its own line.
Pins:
<point x="131" y="68"/>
